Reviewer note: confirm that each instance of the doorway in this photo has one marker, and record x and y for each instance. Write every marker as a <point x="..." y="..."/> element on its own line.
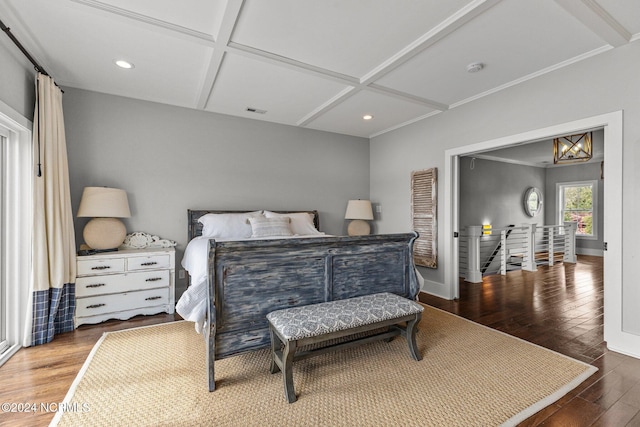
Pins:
<point x="615" y="336"/>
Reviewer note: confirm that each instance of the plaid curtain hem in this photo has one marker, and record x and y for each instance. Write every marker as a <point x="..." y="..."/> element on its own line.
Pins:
<point x="53" y="311"/>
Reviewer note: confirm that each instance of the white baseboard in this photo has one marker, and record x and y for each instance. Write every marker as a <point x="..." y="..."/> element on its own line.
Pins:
<point x="592" y="252"/>
<point x="436" y="289"/>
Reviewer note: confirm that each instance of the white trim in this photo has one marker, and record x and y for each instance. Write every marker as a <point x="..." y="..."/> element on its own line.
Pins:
<point x="17" y="176"/>
<point x="590" y="252"/>
<point x="231" y="14"/>
<point x="533" y="75"/>
<point x="403" y="124"/>
<point x="165" y="27"/>
<point x="440" y="31"/>
<point x="598" y="20"/>
<point x="617" y="339"/>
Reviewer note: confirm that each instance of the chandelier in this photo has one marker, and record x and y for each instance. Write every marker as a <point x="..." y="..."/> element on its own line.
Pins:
<point x="572" y="148"/>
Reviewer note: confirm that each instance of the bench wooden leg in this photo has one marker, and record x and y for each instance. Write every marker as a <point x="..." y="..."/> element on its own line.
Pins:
<point x="275" y="347"/>
<point x="411" y="336"/>
<point x="287" y="369"/>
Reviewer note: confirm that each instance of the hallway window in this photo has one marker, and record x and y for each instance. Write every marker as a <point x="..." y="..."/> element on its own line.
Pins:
<point x="577" y="201"/>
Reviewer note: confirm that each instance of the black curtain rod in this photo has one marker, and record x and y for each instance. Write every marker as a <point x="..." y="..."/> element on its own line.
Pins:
<point x="22" y="49"/>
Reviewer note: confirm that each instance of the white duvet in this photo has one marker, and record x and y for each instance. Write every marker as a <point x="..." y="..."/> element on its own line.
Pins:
<point x="192" y="305"/>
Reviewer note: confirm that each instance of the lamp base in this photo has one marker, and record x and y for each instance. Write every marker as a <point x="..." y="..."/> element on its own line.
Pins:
<point x="358" y="227"/>
<point x="104" y="233"/>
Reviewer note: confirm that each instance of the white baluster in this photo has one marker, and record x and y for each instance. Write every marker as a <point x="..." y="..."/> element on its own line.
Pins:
<point x="551" y="236"/>
<point x="503" y="252"/>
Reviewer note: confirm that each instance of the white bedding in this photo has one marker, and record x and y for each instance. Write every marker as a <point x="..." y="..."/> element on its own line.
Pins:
<point x="192" y="305"/>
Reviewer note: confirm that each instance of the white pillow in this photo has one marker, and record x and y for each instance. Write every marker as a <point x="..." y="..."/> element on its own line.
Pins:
<point x="227" y="225"/>
<point x="270" y="227"/>
<point x="301" y="222"/>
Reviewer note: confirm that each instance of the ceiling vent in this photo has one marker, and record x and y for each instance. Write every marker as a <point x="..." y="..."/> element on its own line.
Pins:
<point x="256" y="110"/>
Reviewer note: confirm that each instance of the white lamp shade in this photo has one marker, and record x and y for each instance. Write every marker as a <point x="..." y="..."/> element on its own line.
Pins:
<point x="104" y="202"/>
<point x="359" y="209"/>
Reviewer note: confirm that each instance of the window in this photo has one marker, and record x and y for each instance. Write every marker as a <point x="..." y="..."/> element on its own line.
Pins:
<point x="577" y="201"/>
<point x="15" y="225"/>
<point x="4" y="321"/>
<point x="424" y="186"/>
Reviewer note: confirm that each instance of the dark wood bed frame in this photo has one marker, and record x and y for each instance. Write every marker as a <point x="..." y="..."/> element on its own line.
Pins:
<point x="249" y="279"/>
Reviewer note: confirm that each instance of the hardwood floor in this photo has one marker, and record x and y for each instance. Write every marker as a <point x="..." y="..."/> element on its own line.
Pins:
<point x="558" y="307"/>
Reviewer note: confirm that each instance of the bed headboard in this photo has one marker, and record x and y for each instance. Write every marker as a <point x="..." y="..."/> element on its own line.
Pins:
<point x="194" y="228"/>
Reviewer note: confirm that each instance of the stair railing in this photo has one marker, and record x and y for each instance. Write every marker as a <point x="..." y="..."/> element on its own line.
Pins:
<point x="510" y="248"/>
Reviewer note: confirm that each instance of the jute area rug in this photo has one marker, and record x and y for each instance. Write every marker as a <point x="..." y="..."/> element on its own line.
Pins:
<point x="470" y="375"/>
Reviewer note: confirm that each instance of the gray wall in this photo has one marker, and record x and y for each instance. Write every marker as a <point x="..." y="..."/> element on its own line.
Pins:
<point x="17" y="79"/>
<point x="492" y="192"/>
<point x="598" y="85"/>
<point x="171" y="159"/>
<point x="583" y="172"/>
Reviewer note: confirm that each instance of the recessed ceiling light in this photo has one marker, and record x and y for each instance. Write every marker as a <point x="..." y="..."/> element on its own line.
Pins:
<point x="475" y="67"/>
<point x="124" y="64"/>
<point x="367" y="117"/>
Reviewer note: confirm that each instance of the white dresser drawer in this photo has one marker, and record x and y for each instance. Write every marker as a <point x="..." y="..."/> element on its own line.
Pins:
<point x="124" y="283"/>
<point x="116" y="283"/>
<point x="148" y="262"/>
<point x="102" y="304"/>
<point x="100" y="266"/>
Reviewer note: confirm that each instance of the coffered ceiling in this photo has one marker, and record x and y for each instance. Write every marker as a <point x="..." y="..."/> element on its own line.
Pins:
<point x="320" y="64"/>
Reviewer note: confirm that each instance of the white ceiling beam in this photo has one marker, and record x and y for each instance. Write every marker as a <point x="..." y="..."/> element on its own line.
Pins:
<point x="339" y="98"/>
<point x="350" y="81"/>
<point x="446" y="27"/>
<point x="152" y="23"/>
<point x="403" y="96"/>
<point x="229" y="20"/>
<point x="598" y="20"/>
<point x="282" y="61"/>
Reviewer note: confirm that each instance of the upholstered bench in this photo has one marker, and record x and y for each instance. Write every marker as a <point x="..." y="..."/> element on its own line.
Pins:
<point x="295" y="327"/>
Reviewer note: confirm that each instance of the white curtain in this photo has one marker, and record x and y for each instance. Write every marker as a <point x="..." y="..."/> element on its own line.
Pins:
<point x="52" y="302"/>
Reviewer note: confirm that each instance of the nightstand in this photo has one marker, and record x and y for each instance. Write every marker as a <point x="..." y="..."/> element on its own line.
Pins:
<point x="123" y="284"/>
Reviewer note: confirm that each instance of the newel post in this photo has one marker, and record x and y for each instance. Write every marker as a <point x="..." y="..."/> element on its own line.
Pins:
<point x="529" y="262"/>
<point x="570" y="242"/>
<point x="473" y="273"/>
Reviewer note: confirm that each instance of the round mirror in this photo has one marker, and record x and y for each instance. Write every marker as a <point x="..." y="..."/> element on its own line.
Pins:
<point x="532" y="201"/>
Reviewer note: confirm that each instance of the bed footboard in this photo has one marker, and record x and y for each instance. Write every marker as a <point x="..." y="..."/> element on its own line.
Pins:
<point x="249" y="279"/>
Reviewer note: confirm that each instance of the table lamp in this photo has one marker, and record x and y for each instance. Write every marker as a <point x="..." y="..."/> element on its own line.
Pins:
<point x="359" y="211"/>
<point x="105" y="232"/>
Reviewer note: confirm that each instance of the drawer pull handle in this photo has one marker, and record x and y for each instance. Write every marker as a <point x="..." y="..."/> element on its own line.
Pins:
<point x="101" y="267"/>
<point x="153" y="279"/>
<point x="152" y="298"/>
<point x="148" y="263"/>
<point x="95" y="285"/>
<point x="95" y="305"/>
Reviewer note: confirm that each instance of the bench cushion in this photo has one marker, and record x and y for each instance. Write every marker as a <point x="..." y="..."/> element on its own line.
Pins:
<point x="319" y="319"/>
